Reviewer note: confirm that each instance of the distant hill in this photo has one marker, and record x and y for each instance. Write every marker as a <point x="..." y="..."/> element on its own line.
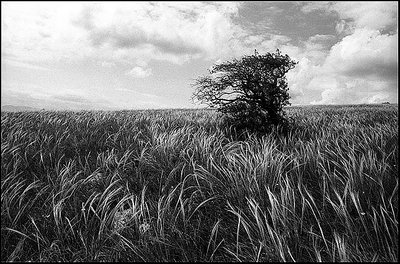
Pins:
<point x="15" y="108"/>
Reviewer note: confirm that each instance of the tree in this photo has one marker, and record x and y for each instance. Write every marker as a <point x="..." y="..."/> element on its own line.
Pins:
<point x="251" y="91"/>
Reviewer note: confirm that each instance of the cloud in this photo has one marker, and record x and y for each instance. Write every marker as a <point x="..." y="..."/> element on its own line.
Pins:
<point x="41" y="32"/>
<point x="131" y="32"/>
<point x="356" y="91"/>
<point x="120" y="31"/>
<point x="316" y="48"/>
<point x="357" y="62"/>
<point x="71" y="98"/>
<point x="343" y="28"/>
<point x="299" y="79"/>
<point x="107" y="64"/>
<point x="379" y="98"/>
<point x="25" y="65"/>
<point x="139" y="100"/>
<point x="375" y="15"/>
<point x="139" y="72"/>
<point x="365" y="53"/>
<point x="361" y="67"/>
<point x="60" y="101"/>
<point x="138" y="93"/>
<point x="313" y="6"/>
<point x="165" y="31"/>
<point x="371" y="15"/>
<point x="322" y="40"/>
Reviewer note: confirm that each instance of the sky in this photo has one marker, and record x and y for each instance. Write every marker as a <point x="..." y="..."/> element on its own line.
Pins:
<point x="146" y="55"/>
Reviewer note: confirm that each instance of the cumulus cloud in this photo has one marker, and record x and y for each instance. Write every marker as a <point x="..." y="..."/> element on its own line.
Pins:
<point x="170" y="31"/>
<point x="316" y="48"/>
<point x="355" y="91"/>
<point x="343" y="28"/>
<point x="379" y="98"/>
<point x="358" y="64"/>
<point x="175" y="32"/>
<point x="370" y="15"/>
<point x="38" y="32"/>
<point x="365" y="53"/>
<point x="362" y="66"/>
<point x="299" y="79"/>
<point x="139" y="72"/>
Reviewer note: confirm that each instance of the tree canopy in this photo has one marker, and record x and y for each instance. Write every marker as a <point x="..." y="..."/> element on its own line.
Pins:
<point x="251" y="90"/>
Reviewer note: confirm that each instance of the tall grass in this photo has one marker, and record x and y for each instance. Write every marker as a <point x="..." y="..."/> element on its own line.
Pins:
<point x="177" y="185"/>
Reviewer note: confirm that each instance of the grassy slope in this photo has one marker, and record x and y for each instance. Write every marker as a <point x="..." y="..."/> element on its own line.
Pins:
<point x="174" y="186"/>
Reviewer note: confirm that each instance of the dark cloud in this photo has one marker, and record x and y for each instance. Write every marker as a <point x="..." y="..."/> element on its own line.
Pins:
<point x="137" y="37"/>
<point x="284" y="18"/>
<point x="376" y="70"/>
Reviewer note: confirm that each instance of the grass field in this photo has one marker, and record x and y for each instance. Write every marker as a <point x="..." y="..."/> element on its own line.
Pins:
<point x="176" y="185"/>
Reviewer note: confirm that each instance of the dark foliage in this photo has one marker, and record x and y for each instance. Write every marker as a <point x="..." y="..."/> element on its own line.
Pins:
<point x="252" y="91"/>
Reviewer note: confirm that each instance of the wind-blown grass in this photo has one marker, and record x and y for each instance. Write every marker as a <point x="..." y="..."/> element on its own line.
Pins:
<point x="177" y="185"/>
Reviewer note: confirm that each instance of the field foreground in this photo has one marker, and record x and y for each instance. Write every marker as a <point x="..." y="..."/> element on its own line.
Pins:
<point x="176" y="185"/>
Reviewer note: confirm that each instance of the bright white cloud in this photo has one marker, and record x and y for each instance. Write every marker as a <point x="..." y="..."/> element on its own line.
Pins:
<point x="370" y="15"/>
<point x="139" y="72"/>
<point x="379" y="98"/>
<point x="129" y="39"/>
<point x="362" y="66"/>
<point x="35" y="31"/>
<point x="107" y="64"/>
<point x="175" y="32"/>
<point x="365" y="53"/>
<point x="356" y="91"/>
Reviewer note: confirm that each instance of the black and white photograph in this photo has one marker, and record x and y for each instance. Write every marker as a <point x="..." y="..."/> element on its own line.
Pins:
<point x="199" y="131"/>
